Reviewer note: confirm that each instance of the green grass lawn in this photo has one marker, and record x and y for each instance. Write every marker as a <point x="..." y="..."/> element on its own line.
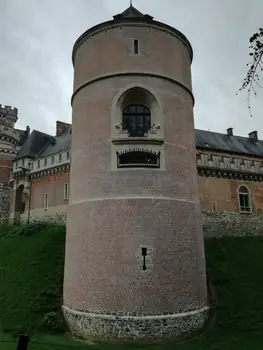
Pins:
<point x="31" y="275"/>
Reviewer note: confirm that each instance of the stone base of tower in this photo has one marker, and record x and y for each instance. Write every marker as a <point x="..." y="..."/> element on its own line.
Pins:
<point x="120" y="327"/>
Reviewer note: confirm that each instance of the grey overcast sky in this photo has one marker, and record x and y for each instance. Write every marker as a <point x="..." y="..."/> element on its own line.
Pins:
<point x="36" y="39"/>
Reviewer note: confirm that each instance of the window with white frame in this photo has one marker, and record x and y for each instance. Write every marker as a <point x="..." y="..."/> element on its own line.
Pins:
<point x="244" y="200"/>
<point x="60" y="157"/>
<point x="65" y="191"/>
<point x="68" y="155"/>
<point x="45" y="201"/>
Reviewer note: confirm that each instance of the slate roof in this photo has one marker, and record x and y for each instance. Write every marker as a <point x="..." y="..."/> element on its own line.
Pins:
<point x="132" y="12"/>
<point x="22" y="136"/>
<point x="62" y="143"/>
<point x="35" y="142"/>
<point x="225" y="143"/>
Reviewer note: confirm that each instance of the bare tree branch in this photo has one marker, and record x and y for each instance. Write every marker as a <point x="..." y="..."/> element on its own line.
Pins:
<point x="256" y="66"/>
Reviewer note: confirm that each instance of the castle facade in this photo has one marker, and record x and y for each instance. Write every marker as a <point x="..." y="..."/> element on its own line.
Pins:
<point x="131" y="174"/>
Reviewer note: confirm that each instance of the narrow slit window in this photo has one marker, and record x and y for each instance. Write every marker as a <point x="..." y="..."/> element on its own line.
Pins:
<point x="136" y="46"/>
<point x="66" y="191"/>
<point x="45" y="201"/>
<point x="144" y="253"/>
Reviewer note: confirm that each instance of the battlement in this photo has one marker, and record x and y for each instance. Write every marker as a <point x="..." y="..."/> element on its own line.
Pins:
<point x="8" y="111"/>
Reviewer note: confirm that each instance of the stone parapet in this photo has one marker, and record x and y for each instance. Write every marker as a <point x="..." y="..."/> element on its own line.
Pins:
<point x="135" y="327"/>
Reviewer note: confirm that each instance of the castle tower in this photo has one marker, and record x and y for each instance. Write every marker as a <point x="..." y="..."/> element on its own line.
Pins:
<point x="134" y="264"/>
<point x="9" y="140"/>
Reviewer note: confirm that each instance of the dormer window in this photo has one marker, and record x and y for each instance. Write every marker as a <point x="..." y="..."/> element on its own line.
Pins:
<point x="136" y="119"/>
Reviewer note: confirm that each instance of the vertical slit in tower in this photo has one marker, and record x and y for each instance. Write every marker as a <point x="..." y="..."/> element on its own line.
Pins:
<point x="136" y="47"/>
<point x="144" y="253"/>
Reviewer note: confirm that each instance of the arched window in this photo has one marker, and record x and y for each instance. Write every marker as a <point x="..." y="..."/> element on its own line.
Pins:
<point x="136" y="119"/>
<point x="244" y="199"/>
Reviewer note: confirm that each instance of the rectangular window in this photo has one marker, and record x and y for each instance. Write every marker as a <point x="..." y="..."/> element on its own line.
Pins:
<point x="38" y="164"/>
<point x="247" y="164"/>
<point x="45" y="201"/>
<point x="136" y="46"/>
<point x="244" y="202"/>
<point x="59" y="157"/>
<point x="214" y="206"/>
<point x="68" y="155"/>
<point x="52" y="160"/>
<point x="226" y="162"/>
<point x="66" y="191"/>
<point x="16" y="165"/>
<point x="204" y="159"/>
<point x="45" y="162"/>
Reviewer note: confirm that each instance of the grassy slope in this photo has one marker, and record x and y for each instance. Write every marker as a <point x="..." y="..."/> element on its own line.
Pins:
<point x="31" y="275"/>
<point x="31" y="272"/>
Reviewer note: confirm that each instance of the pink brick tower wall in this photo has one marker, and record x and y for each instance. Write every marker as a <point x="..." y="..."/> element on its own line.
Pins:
<point x="113" y="213"/>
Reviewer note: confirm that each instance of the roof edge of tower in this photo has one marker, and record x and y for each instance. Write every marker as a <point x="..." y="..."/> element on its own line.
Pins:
<point x="119" y="20"/>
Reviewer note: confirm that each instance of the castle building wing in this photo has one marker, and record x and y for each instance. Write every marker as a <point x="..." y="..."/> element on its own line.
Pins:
<point x="229" y="143"/>
<point x="34" y="144"/>
<point x="61" y="143"/>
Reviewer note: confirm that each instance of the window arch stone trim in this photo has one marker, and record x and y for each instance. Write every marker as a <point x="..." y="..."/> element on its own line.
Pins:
<point x="246" y="207"/>
<point x="153" y="103"/>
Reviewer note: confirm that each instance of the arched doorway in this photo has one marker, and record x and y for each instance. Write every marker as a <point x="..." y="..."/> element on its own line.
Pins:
<point x="19" y="204"/>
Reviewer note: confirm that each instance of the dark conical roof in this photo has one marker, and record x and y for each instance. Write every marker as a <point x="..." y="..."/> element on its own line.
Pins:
<point x="131" y="12"/>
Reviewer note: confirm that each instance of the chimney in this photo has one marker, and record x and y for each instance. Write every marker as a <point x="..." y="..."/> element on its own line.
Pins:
<point x="27" y="131"/>
<point x="229" y="131"/>
<point x="60" y="127"/>
<point x="253" y="135"/>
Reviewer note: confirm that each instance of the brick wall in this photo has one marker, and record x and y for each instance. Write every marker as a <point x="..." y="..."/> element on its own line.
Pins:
<point x="53" y="186"/>
<point x="5" y="169"/>
<point x="224" y="192"/>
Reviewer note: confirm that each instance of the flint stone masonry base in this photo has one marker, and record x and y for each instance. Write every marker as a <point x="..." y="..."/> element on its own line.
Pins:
<point x="215" y="224"/>
<point x="219" y="224"/>
<point x="5" y="198"/>
<point x="128" y="328"/>
<point x="59" y="218"/>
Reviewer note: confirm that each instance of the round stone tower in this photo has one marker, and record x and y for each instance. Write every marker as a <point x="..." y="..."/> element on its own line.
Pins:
<point x="134" y="264"/>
